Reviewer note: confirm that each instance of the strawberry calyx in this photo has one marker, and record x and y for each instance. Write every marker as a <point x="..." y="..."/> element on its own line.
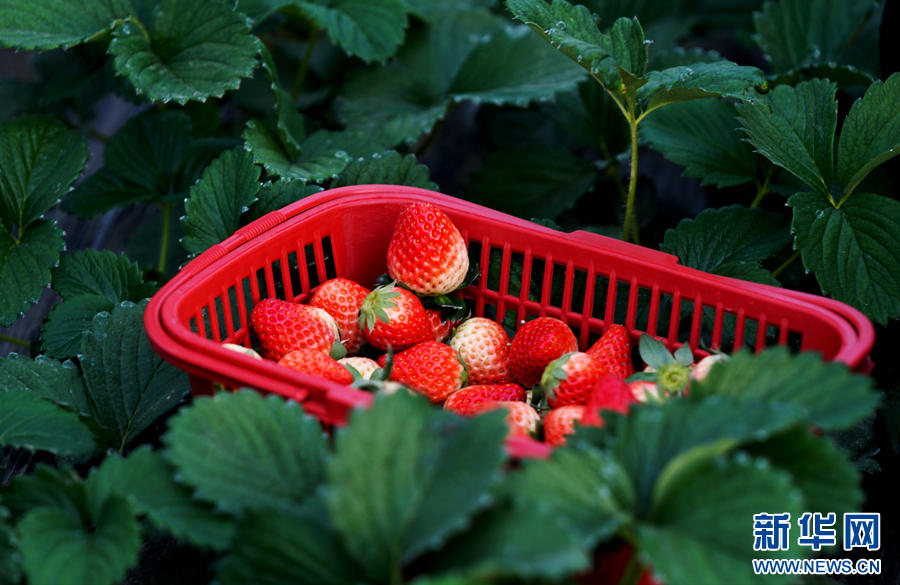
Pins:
<point x="374" y="305"/>
<point x="554" y="374"/>
<point x="673" y="378"/>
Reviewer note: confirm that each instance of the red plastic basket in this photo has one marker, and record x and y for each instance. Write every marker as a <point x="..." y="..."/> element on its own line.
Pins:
<point x="345" y="232"/>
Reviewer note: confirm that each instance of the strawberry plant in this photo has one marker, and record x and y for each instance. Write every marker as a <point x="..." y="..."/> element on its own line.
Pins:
<point x="135" y="135"/>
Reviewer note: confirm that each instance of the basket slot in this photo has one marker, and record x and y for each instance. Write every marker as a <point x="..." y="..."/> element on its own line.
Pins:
<point x="200" y="322"/>
<point x="503" y="283"/>
<point x="243" y="310"/>
<point x="795" y="340"/>
<point x="214" y="304"/>
<point x="268" y="274"/>
<point x="674" y="318"/>
<point x="696" y="322"/>
<point x="482" y="251"/>
<point x="524" y="291"/>
<point x="319" y="254"/>
<point x="230" y="308"/>
<point x="610" y="313"/>
<point x="590" y="278"/>
<point x="546" y="285"/>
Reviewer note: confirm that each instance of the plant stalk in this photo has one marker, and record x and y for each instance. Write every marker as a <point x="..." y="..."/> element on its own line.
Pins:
<point x="304" y="65"/>
<point x="632" y="182"/>
<point x="164" y="244"/>
<point x="633" y="571"/>
<point x="761" y="193"/>
<point x="787" y="263"/>
<point x="15" y="340"/>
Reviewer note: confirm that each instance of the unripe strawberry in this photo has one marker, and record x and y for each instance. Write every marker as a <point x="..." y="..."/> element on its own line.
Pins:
<point x="427" y="252"/>
<point x="484" y="346"/>
<point x="536" y="344"/>
<point x="570" y="379"/>
<point x="521" y="418"/>
<point x="393" y="316"/>
<point x="241" y="349"/>
<point x="342" y="299"/>
<point x="430" y="368"/>
<point x="283" y="327"/>
<point x="364" y="366"/>
<point x="315" y="363"/>
<point x="465" y="402"/>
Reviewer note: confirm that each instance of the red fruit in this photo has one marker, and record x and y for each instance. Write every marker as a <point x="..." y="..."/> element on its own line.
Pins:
<point x="440" y="327"/>
<point x="610" y="393"/>
<point x="342" y="298"/>
<point x="521" y="418"/>
<point x="560" y="422"/>
<point x="570" y="379"/>
<point x="465" y="402"/>
<point x="613" y="351"/>
<point x="427" y="252"/>
<point x="283" y="327"/>
<point x="365" y="366"/>
<point x="536" y="344"/>
<point x="430" y="368"/>
<point x="484" y="346"/>
<point x="393" y="316"/>
<point x="315" y="363"/>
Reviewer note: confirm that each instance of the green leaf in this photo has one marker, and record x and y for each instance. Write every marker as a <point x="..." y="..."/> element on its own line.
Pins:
<point x="47" y="24"/>
<point x="407" y="476"/>
<point x="57" y="382"/>
<point x="61" y="546"/>
<point x="854" y="250"/>
<point x="434" y="10"/>
<point x="870" y="134"/>
<point x="803" y="33"/>
<point x="39" y="160"/>
<point x="388" y="168"/>
<point x="703" y="137"/>
<point x="10" y="572"/>
<point x="25" y="266"/>
<point x="698" y="81"/>
<point x="794" y="128"/>
<point x="244" y="451"/>
<point x="100" y="273"/>
<point x="101" y="192"/>
<point x="702" y="527"/>
<point x="302" y="548"/>
<point x="510" y="541"/>
<point x="727" y="240"/>
<point x="68" y="320"/>
<point x="147" y="482"/>
<point x="681" y="57"/>
<point x="30" y="422"/>
<point x="531" y="181"/>
<point x="274" y="196"/>
<point x="370" y="29"/>
<point x="573" y="30"/>
<point x="585" y="488"/>
<point x="828" y="394"/>
<point x="129" y="385"/>
<point x="654" y="352"/>
<point x="592" y="116"/>
<point x="47" y="487"/>
<point x="186" y="50"/>
<point x="226" y="190"/>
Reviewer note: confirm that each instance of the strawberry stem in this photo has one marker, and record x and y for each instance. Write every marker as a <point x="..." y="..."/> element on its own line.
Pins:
<point x="633" y="570"/>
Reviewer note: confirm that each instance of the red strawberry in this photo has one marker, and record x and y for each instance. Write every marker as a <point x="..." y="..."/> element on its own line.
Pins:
<point x="465" y="402"/>
<point x="613" y="351"/>
<point x="440" y="327"/>
<point x="570" y="379"/>
<point x="560" y="422"/>
<point x="610" y="393"/>
<point x="393" y="316"/>
<point x="536" y="344"/>
<point x="427" y="252"/>
<point x="315" y="363"/>
<point x="430" y="368"/>
<point x="521" y="418"/>
<point x="342" y="298"/>
<point x="282" y="327"/>
<point x="484" y="346"/>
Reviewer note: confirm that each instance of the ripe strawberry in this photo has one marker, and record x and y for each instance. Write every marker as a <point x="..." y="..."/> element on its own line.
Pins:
<point x="315" y="363"/>
<point x="570" y="379"/>
<point x="342" y="298"/>
<point x="430" y="368"/>
<point x="521" y="418"/>
<point x="440" y="327"/>
<point x="536" y="344"/>
<point x="465" y="402"/>
<point x="484" y="346"/>
<point x="610" y="393"/>
<point x="364" y="366"/>
<point x="613" y="351"/>
<point x="427" y="252"/>
<point x="282" y="327"/>
<point x="560" y="422"/>
<point x="393" y="316"/>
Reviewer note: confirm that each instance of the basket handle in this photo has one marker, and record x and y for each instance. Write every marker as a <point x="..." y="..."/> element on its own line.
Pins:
<point x="631" y="250"/>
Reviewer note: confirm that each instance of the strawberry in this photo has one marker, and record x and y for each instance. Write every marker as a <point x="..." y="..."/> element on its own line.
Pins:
<point x="342" y="298"/>
<point x="427" y="252"/>
<point x="243" y="350"/>
<point x="644" y="390"/>
<point x="440" y="327"/>
<point x="484" y="345"/>
<point x="465" y="402"/>
<point x="560" y="422"/>
<point x="536" y="344"/>
<point x="613" y="351"/>
<point x="315" y="363"/>
<point x="282" y="327"/>
<point x="430" y="368"/>
<point x="570" y="379"/>
<point x="521" y="418"/>
<point x="609" y="393"/>
<point x="393" y="316"/>
<point x="364" y="366"/>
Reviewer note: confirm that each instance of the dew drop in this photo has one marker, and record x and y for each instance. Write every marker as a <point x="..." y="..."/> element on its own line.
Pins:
<point x="561" y="25"/>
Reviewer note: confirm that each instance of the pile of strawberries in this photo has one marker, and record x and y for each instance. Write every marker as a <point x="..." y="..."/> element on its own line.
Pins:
<point x="471" y="366"/>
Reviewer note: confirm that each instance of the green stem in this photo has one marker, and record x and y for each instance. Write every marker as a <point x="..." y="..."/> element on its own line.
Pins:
<point x="164" y="244"/>
<point x="787" y="263"/>
<point x="633" y="571"/>
<point x="761" y="193"/>
<point x="16" y="340"/>
<point x="304" y="65"/>
<point x="632" y="183"/>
